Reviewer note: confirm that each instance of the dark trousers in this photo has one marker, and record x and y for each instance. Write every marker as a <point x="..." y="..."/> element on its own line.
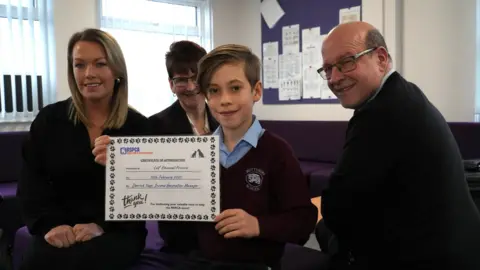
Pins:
<point x="196" y="262"/>
<point x="112" y="250"/>
<point x="324" y="236"/>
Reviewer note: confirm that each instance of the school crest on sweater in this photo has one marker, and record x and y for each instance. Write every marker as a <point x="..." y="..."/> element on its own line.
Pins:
<point x="254" y="178"/>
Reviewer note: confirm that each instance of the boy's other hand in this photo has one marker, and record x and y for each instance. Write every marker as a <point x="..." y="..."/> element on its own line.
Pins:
<point x="100" y="149"/>
<point x="234" y="223"/>
<point x="61" y="236"/>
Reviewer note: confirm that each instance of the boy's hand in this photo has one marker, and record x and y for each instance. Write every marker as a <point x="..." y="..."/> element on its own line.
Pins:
<point x="85" y="232"/>
<point x="100" y="149"/>
<point x="233" y="223"/>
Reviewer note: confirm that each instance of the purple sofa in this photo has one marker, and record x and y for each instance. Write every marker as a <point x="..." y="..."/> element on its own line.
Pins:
<point x="10" y="167"/>
<point x="318" y="145"/>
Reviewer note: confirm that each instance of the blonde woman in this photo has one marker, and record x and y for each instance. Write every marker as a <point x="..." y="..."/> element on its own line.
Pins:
<point x="62" y="189"/>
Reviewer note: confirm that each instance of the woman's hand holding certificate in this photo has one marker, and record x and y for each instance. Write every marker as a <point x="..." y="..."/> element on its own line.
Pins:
<point x="100" y="149"/>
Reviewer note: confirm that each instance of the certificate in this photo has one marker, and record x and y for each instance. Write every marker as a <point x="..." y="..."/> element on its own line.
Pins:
<point x="168" y="178"/>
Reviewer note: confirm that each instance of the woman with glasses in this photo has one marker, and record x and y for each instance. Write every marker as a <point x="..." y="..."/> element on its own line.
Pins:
<point x="190" y="113"/>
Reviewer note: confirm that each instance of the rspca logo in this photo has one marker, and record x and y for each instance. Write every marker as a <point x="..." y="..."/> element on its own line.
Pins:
<point x="198" y="154"/>
<point x="129" y="150"/>
<point x="254" y="179"/>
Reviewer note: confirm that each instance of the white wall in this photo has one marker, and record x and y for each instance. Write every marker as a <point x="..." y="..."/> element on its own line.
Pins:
<point x="433" y="43"/>
<point x="439" y="53"/>
<point x="70" y="16"/>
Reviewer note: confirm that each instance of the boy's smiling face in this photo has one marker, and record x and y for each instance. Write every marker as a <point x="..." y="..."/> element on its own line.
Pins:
<point x="231" y="97"/>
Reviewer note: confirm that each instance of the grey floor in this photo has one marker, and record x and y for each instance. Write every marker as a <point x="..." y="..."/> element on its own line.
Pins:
<point x="312" y="242"/>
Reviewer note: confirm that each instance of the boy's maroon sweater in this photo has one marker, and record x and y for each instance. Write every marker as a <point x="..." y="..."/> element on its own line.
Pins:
<point x="268" y="184"/>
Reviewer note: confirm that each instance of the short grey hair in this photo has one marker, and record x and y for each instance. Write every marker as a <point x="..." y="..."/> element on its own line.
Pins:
<point x="375" y="39"/>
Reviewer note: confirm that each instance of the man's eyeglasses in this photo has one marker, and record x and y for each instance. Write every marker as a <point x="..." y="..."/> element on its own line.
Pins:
<point x="182" y="82"/>
<point x="346" y="64"/>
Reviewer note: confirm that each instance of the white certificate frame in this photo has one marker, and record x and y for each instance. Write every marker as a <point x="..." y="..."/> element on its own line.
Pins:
<point x="116" y="188"/>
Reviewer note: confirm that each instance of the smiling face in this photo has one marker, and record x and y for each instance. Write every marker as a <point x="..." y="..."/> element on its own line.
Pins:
<point x="231" y="97"/>
<point x="355" y="86"/>
<point x="93" y="76"/>
<point x="186" y="90"/>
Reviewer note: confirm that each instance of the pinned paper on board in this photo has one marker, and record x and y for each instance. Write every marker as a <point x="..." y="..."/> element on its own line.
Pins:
<point x="270" y="49"/>
<point x="290" y="65"/>
<point x="290" y="89"/>
<point x="270" y="65"/>
<point x="291" y="39"/>
<point x="311" y="60"/>
<point x="290" y="76"/>
<point x="349" y="14"/>
<point x="271" y="12"/>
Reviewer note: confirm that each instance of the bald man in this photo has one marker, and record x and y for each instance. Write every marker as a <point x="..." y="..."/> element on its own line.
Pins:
<point x="397" y="198"/>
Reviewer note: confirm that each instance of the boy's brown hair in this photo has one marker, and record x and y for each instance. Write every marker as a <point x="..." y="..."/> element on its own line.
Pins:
<point x="183" y="57"/>
<point x="228" y="54"/>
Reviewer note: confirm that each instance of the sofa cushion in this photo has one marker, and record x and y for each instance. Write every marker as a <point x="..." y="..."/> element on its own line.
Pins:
<point x="308" y="167"/>
<point x="467" y="136"/>
<point x="153" y="242"/>
<point x="317" y="174"/>
<point x="298" y="257"/>
<point x="323" y="140"/>
<point x="10" y="160"/>
<point x="22" y="240"/>
<point x="319" y="181"/>
<point x="8" y="190"/>
<point x="320" y="141"/>
<point x="10" y="217"/>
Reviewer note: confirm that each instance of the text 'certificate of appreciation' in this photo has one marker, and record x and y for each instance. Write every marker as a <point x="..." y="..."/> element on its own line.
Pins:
<point x="174" y="178"/>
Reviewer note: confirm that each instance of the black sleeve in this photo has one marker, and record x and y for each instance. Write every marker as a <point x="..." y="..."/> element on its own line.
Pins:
<point x="156" y="126"/>
<point x="358" y="180"/>
<point x="38" y="204"/>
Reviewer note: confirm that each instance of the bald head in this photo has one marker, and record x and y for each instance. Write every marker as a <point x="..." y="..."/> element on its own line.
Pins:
<point x="355" y="59"/>
<point x="358" y="33"/>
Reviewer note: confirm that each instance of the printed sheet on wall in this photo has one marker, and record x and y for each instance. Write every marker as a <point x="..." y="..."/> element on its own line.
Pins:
<point x="290" y="63"/>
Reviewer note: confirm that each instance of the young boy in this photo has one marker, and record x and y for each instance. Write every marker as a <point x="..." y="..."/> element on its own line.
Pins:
<point x="264" y="195"/>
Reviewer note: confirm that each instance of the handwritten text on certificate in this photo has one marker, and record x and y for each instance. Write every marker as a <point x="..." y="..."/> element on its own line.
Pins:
<point x="163" y="178"/>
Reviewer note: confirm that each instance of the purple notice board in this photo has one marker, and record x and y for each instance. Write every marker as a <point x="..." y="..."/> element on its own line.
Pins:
<point x="308" y="14"/>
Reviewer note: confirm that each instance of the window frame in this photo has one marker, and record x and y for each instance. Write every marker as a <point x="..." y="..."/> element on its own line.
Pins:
<point x="40" y="14"/>
<point x="202" y="30"/>
<point x="15" y="12"/>
<point x="476" y="102"/>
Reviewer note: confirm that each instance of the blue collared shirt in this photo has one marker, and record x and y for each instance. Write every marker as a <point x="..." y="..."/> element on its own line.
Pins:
<point x="249" y="140"/>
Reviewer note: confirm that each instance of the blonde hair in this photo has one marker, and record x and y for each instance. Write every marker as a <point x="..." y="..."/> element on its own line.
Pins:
<point x="116" y="62"/>
<point x="228" y="54"/>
